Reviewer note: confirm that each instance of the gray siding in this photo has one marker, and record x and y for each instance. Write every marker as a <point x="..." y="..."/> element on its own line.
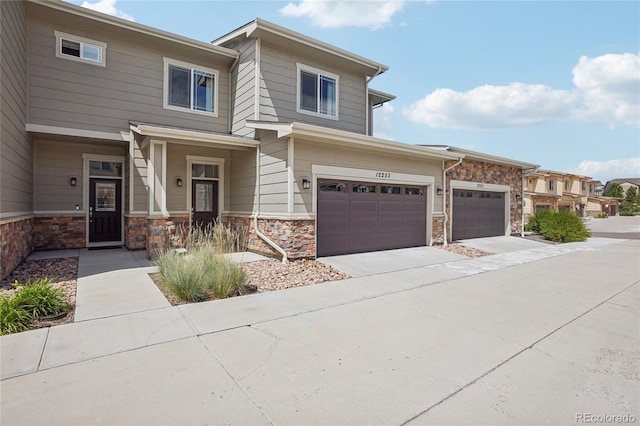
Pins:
<point x="72" y="94"/>
<point x="16" y="162"/>
<point x="309" y="153"/>
<point x="243" y="88"/>
<point x="273" y="174"/>
<point x="55" y="161"/>
<point x="243" y="181"/>
<point x="278" y="89"/>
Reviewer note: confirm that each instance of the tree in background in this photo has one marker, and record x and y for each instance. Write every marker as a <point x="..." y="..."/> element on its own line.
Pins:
<point x="615" y="191"/>
<point x="630" y="203"/>
<point x="632" y="195"/>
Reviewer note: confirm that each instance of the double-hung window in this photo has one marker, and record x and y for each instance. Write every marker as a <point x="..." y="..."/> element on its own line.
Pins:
<point x="317" y="92"/>
<point x="80" y="49"/>
<point x="190" y="87"/>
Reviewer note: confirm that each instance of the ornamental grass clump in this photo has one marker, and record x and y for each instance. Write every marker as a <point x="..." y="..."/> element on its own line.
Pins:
<point x="31" y="300"/>
<point x="564" y="226"/>
<point x="201" y="274"/>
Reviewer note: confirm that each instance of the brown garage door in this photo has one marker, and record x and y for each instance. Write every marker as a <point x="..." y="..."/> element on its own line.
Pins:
<point x="477" y="214"/>
<point x="356" y="217"/>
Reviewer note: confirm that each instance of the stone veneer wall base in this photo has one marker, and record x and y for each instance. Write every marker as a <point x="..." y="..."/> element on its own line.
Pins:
<point x="59" y="232"/>
<point x="17" y="243"/>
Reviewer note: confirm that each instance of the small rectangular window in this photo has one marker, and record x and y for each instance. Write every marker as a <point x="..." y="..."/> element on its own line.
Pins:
<point x="317" y="92"/>
<point x="190" y="87"/>
<point x="413" y="191"/>
<point x="105" y="168"/>
<point x="362" y="188"/>
<point x="207" y="171"/>
<point x="333" y="186"/>
<point x="80" y="49"/>
<point x="390" y="189"/>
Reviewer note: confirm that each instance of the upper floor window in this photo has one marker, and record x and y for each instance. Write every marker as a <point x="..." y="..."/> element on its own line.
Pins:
<point x="190" y="87"/>
<point x="80" y="49"/>
<point x="317" y="92"/>
<point x="566" y="185"/>
<point x="584" y="186"/>
<point x="552" y="185"/>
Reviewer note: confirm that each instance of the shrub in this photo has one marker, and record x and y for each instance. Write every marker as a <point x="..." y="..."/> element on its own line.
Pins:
<point x="223" y="238"/>
<point x="201" y="274"/>
<point x="626" y="213"/>
<point x="14" y="318"/>
<point x="564" y="226"/>
<point x="601" y="216"/>
<point x="40" y="298"/>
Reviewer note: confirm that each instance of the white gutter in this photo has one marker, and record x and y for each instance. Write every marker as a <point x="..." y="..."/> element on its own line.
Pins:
<point x="444" y="199"/>
<point x="255" y="216"/>
<point x="366" y="91"/>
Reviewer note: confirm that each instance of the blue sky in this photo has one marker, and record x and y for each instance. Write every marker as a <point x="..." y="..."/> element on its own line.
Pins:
<point x="555" y="83"/>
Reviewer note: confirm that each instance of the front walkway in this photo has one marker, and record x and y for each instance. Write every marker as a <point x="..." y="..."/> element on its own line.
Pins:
<point x="387" y="348"/>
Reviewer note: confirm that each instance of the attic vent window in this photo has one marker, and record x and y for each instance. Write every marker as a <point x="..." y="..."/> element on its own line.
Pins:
<point x="80" y="49"/>
<point x="317" y="92"/>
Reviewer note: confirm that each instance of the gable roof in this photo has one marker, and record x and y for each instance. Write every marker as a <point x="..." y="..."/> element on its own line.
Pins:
<point x="265" y="30"/>
<point x="133" y="26"/>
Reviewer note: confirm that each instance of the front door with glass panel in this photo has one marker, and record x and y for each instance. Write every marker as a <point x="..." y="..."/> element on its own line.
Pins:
<point x="204" y="201"/>
<point x="105" y="202"/>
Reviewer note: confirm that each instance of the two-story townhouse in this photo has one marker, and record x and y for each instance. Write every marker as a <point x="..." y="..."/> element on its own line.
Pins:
<point x="553" y="190"/>
<point x="113" y="131"/>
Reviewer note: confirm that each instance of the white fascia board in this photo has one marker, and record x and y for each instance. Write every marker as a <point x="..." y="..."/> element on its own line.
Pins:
<point x="133" y="26"/>
<point x="82" y="133"/>
<point x="325" y="134"/>
<point x="255" y="27"/>
<point x="192" y="135"/>
<point x="494" y="159"/>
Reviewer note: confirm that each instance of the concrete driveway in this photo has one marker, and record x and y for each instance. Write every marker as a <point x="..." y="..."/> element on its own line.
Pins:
<point x="616" y="227"/>
<point x="546" y="335"/>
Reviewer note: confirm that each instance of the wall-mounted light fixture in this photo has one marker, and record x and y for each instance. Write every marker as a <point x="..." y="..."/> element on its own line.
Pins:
<point x="73" y="181"/>
<point x="439" y="190"/>
<point x="306" y="183"/>
<point x="178" y="181"/>
<point x="517" y="196"/>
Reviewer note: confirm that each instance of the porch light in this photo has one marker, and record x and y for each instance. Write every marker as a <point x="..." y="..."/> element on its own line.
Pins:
<point x="179" y="181"/>
<point x="306" y="183"/>
<point x="439" y="190"/>
<point x="73" y="181"/>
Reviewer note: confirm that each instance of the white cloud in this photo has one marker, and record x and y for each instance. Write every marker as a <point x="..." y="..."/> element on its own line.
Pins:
<point x="108" y="7"/>
<point x="607" y="170"/>
<point x="489" y="107"/>
<point x="607" y="88"/>
<point x="610" y="85"/>
<point x="333" y="14"/>
<point x="382" y="121"/>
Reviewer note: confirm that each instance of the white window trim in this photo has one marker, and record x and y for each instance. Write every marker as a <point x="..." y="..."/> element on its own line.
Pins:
<point x="165" y="100"/>
<point x="82" y="40"/>
<point x="194" y="159"/>
<point x="301" y="67"/>
<point x="155" y="184"/>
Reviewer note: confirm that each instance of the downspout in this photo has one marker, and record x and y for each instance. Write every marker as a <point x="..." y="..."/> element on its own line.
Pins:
<point x="230" y="110"/>
<point x="524" y="172"/>
<point x="366" y="93"/>
<point x="444" y="198"/>
<point x="257" y="213"/>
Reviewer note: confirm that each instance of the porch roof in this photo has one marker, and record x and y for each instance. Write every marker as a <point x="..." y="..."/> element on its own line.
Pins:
<point x="197" y="137"/>
<point x="350" y="139"/>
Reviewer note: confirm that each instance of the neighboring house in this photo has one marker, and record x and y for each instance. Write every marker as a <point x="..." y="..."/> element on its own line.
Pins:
<point x="599" y="188"/>
<point x="553" y="190"/>
<point x="625" y="183"/>
<point x="114" y="132"/>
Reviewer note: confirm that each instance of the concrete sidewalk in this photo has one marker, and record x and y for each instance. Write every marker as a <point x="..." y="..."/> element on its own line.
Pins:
<point x="517" y="337"/>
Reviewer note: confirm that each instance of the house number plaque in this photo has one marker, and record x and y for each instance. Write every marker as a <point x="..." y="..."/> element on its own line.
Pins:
<point x="384" y="175"/>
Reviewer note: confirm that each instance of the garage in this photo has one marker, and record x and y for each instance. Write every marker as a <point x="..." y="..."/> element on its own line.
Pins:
<point x="478" y="214"/>
<point x="357" y="217"/>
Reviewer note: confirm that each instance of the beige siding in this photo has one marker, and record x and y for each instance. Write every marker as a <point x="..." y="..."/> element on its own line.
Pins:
<point x="16" y="159"/>
<point x="273" y="174"/>
<point x="55" y="161"/>
<point x="278" y="89"/>
<point x="177" y="167"/>
<point x="243" y="88"/>
<point x="72" y="94"/>
<point x="242" y="185"/>
<point x="308" y="153"/>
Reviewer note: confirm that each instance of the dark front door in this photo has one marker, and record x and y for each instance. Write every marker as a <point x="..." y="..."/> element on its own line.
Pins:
<point x="204" y="201"/>
<point x="105" y="210"/>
